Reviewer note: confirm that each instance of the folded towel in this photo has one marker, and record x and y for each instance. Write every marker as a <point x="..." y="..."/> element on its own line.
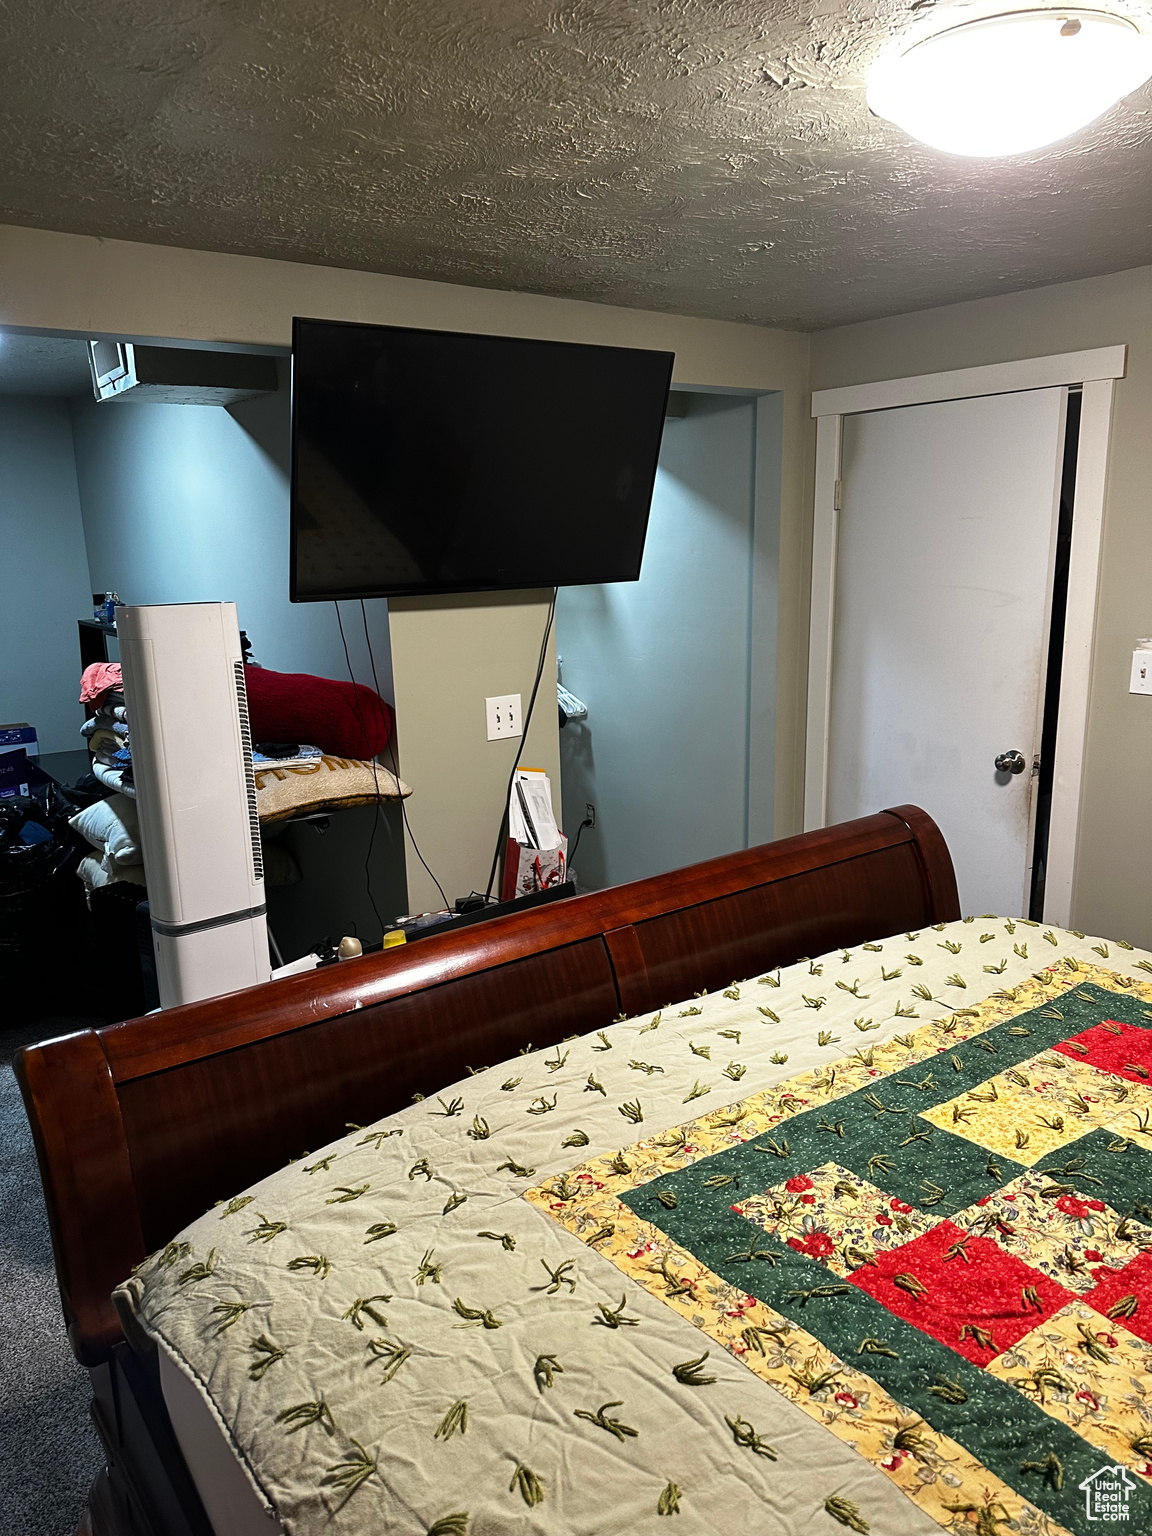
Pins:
<point x="119" y="779"/>
<point x="107" y="746"/>
<point x="106" y="719"/>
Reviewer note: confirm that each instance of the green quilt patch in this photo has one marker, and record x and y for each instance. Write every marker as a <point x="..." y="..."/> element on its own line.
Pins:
<point x="838" y="1221"/>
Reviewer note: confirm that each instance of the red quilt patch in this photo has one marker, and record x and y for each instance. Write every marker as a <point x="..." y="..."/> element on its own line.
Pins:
<point x="1113" y="1047"/>
<point x="1116" y="1285"/>
<point x="965" y="1291"/>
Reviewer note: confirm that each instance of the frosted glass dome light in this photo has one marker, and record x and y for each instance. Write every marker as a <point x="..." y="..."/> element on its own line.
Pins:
<point x="1009" y="83"/>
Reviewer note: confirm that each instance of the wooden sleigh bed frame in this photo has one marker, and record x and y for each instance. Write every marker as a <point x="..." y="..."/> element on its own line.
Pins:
<point x="141" y="1126"/>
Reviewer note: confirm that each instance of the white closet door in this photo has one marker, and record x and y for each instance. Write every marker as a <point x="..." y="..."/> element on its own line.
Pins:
<point x="944" y="560"/>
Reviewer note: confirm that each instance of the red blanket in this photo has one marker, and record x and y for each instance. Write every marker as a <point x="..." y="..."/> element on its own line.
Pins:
<point x="345" y="719"/>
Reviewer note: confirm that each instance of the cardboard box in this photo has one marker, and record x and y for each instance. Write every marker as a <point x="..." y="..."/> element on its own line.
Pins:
<point x="19" y="737"/>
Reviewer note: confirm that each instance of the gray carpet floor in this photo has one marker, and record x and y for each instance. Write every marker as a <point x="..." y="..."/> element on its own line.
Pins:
<point x="49" y="1452"/>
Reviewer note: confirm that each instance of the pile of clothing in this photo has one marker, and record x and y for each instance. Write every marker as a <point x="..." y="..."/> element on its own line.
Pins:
<point x="107" y="734"/>
<point x="110" y="826"/>
<point x="34" y="841"/>
<point x="315" y="741"/>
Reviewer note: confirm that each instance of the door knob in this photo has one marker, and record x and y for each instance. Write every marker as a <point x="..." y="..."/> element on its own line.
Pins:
<point x="1010" y="762"/>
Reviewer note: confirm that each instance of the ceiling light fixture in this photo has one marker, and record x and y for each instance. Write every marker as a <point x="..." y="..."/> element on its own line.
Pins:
<point x="1004" y="84"/>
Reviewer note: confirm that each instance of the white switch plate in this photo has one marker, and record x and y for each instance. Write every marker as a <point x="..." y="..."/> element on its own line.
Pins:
<point x="503" y="716"/>
<point x="1141" y="672"/>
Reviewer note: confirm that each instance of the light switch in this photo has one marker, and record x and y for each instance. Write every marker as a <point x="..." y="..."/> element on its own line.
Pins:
<point x="1142" y="669"/>
<point x="503" y="715"/>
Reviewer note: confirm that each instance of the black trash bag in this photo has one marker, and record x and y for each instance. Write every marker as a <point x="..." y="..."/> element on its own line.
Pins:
<point x="86" y="791"/>
<point x="28" y="862"/>
<point x="12" y="818"/>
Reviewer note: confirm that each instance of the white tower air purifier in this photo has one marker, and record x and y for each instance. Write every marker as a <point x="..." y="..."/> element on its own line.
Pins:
<point x="192" y="767"/>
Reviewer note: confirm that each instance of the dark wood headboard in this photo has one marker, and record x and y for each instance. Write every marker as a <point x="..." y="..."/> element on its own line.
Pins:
<point x="141" y="1126"/>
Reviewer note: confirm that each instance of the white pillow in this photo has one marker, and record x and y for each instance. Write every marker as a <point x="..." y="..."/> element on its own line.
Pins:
<point x="112" y="827"/>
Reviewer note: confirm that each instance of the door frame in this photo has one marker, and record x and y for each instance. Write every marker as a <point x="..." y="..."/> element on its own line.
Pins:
<point x="1096" y="371"/>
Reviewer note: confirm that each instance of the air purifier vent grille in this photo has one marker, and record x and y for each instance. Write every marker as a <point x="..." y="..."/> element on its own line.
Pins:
<point x="249" y="777"/>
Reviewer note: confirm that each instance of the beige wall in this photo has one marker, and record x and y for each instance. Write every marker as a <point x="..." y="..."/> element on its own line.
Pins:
<point x="74" y="283"/>
<point x="442" y="680"/>
<point x="1113" y="887"/>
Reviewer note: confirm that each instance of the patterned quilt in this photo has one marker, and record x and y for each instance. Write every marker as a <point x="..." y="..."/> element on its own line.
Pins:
<point x="865" y="1243"/>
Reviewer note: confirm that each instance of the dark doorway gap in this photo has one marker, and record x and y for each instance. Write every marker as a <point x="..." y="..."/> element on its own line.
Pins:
<point x="1055" y="657"/>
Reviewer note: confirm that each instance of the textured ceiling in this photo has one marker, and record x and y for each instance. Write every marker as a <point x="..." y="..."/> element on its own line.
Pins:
<point x="711" y="158"/>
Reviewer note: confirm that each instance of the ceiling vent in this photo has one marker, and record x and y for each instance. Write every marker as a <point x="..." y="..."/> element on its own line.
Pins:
<point x="177" y="375"/>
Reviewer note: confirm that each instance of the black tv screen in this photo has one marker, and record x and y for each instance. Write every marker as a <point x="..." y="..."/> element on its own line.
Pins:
<point x="433" y="461"/>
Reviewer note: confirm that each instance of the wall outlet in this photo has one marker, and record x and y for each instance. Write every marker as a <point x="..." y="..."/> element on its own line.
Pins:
<point x="1141" y="681"/>
<point x="503" y="715"/>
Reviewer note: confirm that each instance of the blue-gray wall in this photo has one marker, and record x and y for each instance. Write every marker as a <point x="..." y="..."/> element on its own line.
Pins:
<point x="666" y="665"/>
<point x="189" y="503"/>
<point x="185" y="503"/>
<point x="46" y="587"/>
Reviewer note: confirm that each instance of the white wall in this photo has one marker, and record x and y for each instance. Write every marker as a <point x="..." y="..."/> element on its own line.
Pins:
<point x="46" y="587"/>
<point x="189" y="503"/>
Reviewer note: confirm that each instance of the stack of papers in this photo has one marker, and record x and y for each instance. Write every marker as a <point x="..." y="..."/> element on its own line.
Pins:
<point x="531" y="820"/>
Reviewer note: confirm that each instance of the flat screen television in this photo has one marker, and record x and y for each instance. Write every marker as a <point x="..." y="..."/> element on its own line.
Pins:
<point x="436" y="461"/>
